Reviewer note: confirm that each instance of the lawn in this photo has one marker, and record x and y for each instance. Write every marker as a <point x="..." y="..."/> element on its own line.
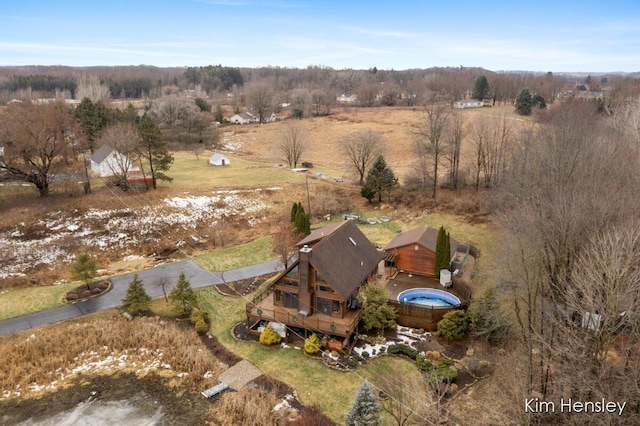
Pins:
<point x="332" y="391"/>
<point x="194" y="172"/>
<point x="24" y="301"/>
<point x="256" y="251"/>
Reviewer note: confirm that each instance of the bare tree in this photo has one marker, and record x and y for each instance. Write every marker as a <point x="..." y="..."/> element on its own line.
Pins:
<point x="261" y="99"/>
<point x="124" y="138"/>
<point x="320" y="102"/>
<point x="455" y="139"/>
<point x="163" y="283"/>
<point x="551" y="217"/>
<point x="300" y="100"/>
<point x="89" y="86"/>
<point x="432" y="136"/>
<point x="37" y="141"/>
<point x="361" y="149"/>
<point x="293" y="144"/>
<point x="284" y="240"/>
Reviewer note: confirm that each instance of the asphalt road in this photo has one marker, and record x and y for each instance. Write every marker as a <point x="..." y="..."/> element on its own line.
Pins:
<point x="197" y="276"/>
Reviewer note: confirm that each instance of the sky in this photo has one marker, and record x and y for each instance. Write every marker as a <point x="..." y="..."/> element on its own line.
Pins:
<point x="557" y="36"/>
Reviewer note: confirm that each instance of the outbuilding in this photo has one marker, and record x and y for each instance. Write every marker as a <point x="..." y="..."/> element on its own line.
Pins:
<point x="219" y="160"/>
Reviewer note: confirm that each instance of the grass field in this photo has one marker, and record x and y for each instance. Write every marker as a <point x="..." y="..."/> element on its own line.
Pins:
<point x="24" y="301"/>
<point x="256" y="251"/>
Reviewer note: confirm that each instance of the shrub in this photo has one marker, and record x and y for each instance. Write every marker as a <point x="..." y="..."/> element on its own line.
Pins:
<point x="269" y="336"/>
<point x="365" y="354"/>
<point x="403" y="350"/>
<point x="72" y="296"/>
<point x="86" y="293"/>
<point x="312" y="344"/>
<point x="487" y="319"/>
<point x="454" y="324"/>
<point x="440" y="372"/>
<point x="96" y="291"/>
<point x="197" y="314"/>
<point x="201" y="326"/>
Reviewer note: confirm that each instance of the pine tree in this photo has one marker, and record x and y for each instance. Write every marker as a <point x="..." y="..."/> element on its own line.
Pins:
<point x="481" y="89"/>
<point x="183" y="295"/>
<point x="365" y="408"/>
<point x="136" y="300"/>
<point x="294" y="212"/>
<point x="153" y="148"/>
<point x="380" y="178"/>
<point x="524" y="102"/>
<point x="443" y="252"/>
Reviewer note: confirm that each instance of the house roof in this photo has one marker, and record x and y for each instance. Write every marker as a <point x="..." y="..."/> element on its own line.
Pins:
<point x="101" y="154"/>
<point x="318" y="234"/>
<point x="344" y="257"/>
<point x="425" y="236"/>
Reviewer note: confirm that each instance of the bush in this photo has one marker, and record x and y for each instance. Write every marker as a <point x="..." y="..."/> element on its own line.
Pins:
<point x="440" y="372"/>
<point x="312" y="344"/>
<point x="269" y="336"/>
<point x="454" y="325"/>
<point x="487" y="319"/>
<point x="86" y="293"/>
<point x="403" y="350"/>
<point x="365" y="354"/>
<point x="197" y="314"/>
<point x="201" y="326"/>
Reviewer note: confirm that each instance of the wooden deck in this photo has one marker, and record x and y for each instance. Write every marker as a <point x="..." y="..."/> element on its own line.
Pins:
<point x="266" y="310"/>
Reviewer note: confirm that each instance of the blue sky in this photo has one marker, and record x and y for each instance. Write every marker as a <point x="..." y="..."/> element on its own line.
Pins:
<point x="587" y="36"/>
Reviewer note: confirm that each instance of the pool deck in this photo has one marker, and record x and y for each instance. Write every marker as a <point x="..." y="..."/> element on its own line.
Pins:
<point x="404" y="282"/>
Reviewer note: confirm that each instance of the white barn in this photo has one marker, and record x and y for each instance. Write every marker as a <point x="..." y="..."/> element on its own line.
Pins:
<point x="243" y="118"/>
<point x="219" y="160"/>
<point x="108" y="162"/>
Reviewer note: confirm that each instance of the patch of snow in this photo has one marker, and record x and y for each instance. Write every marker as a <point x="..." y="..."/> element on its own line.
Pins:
<point x="132" y="257"/>
<point x="284" y="403"/>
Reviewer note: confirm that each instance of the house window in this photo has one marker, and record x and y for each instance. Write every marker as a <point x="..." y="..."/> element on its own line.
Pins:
<point x="293" y="273"/>
<point x="319" y="277"/>
<point x="325" y="288"/>
<point x="292" y="283"/>
<point x="415" y="247"/>
<point x="278" y="297"/>
<point x="290" y="300"/>
<point x="323" y="306"/>
<point x="327" y="306"/>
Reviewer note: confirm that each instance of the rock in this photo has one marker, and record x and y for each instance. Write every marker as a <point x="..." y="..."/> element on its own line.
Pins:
<point x="453" y="388"/>
<point x="470" y="352"/>
<point x="502" y="352"/>
<point x="420" y="331"/>
<point x="484" y="363"/>
<point x="127" y="316"/>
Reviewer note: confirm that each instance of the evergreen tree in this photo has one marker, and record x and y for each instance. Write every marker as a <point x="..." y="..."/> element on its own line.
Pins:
<point x="294" y="212"/>
<point x="93" y="117"/>
<point x="367" y="193"/>
<point x="481" y="89"/>
<point x="380" y="178"/>
<point x="84" y="269"/>
<point x="538" y="101"/>
<point x="524" y="102"/>
<point x="443" y="252"/>
<point x="218" y="114"/>
<point x="365" y="408"/>
<point x="154" y="149"/>
<point x="203" y="105"/>
<point x="136" y="300"/>
<point x="183" y="295"/>
<point x="377" y="313"/>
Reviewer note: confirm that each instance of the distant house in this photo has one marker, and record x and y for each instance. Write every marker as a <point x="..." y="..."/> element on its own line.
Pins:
<point x="219" y="160"/>
<point x="251" y="117"/>
<point x="414" y="251"/>
<point x="318" y="292"/>
<point x="243" y="118"/>
<point x="347" y="99"/>
<point x="106" y="161"/>
<point x="468" y="103"/>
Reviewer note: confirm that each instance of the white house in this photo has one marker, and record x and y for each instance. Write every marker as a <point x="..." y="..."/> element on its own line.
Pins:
<point x="347" y="99"/>
<point x="468" y="103"/>
<point x="243" y="118"/>
<point x="219" y="160"/>
<point x="108" y="162"/>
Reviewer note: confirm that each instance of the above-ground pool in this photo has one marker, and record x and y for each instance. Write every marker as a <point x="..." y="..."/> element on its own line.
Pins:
<point x="429" y="297"/>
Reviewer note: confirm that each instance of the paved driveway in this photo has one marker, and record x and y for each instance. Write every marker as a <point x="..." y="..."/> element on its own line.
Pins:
<point x="197" y="276"/>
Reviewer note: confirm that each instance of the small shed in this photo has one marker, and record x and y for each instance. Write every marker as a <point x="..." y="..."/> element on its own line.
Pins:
<point x="219" y="160"/>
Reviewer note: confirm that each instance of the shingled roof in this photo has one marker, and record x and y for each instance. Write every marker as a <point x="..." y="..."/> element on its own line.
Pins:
<point x="343" y="256"/>
<point x="99" y="156"/>
<point x="426" y="237"/>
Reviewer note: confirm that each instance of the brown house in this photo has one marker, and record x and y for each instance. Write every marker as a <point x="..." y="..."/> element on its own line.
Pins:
<point x="318" y="292"/>
<point x="414" y="251"/>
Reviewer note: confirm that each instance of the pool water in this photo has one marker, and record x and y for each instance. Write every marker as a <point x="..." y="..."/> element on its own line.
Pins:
<point x="429" y="297"/>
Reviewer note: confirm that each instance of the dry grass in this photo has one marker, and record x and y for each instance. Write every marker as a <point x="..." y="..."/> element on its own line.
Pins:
<point x="52" y="356"/>
<point x="236" y="408"/>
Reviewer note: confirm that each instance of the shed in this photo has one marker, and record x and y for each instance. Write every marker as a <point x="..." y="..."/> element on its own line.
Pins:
<point x="106" y="161"/>
<point x="219" y="160"/>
